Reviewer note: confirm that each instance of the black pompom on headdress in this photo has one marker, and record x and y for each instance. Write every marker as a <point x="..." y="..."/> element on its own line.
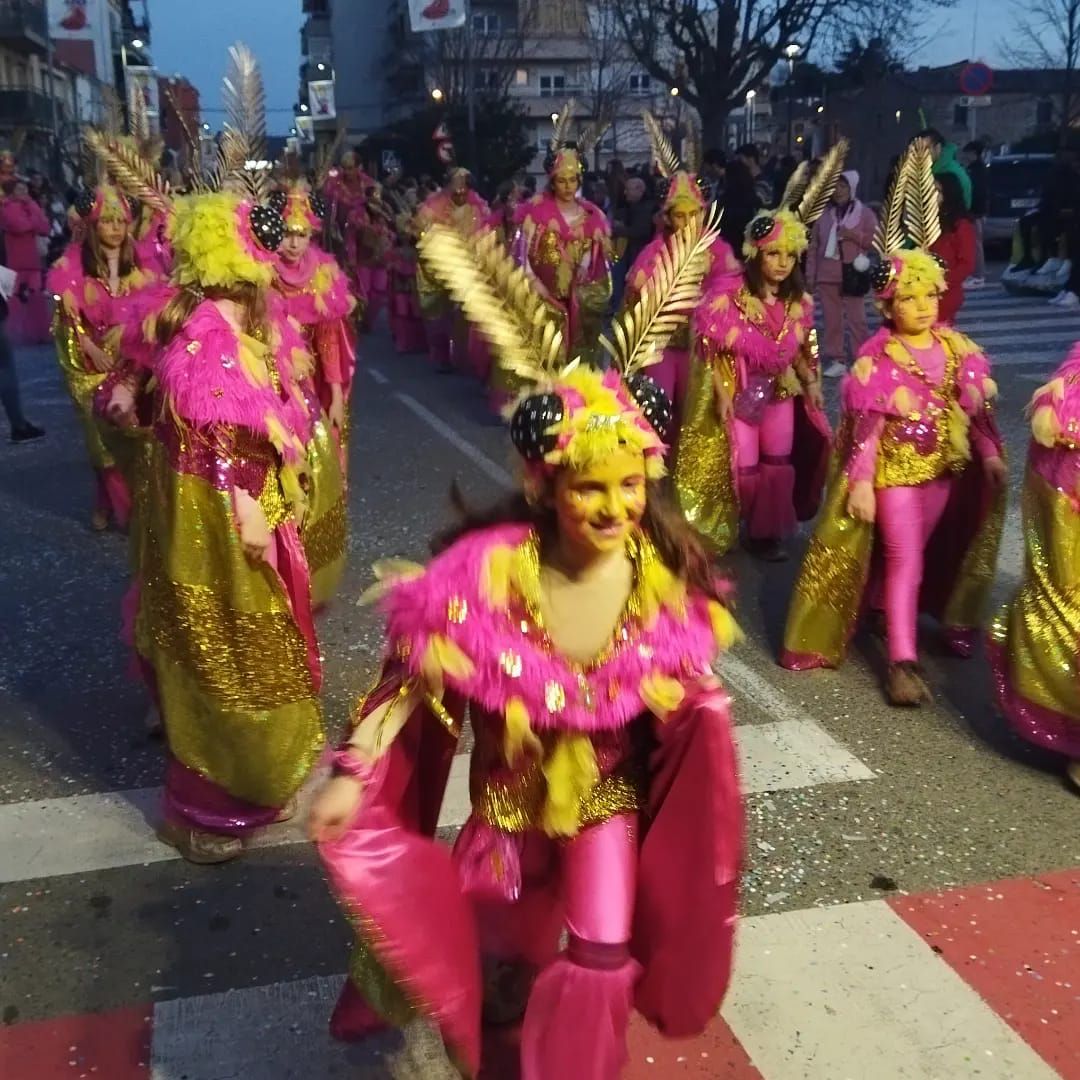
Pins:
<point x="530" y="426"/>
<point x="653" y="402"/>
<point x="268" y="226"/>
<point x="278" y="200"/>
<point x="84" y="202"/>
<point x="761" y="228"/>
<point x="318" y="205"/>
<point x="881" y="275"/>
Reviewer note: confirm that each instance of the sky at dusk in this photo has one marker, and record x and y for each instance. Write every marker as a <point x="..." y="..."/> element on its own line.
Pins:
<point x="192" y="38"/>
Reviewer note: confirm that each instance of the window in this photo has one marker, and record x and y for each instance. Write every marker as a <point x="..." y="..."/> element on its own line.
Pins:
<point x="640" y="85"/>
<point x="485" y="25"/>
<point x="960" y="116"/>
<point x="1044" y="113"/>
<point x="485" y="79"/>
<point x="521" y="77"/>
<point x="552" y="85"/>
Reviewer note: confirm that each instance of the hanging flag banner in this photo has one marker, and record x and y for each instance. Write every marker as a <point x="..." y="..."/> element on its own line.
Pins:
<point x="437" y="14"/>
<point x="321" y="100"/>
<point x="75" y="20"/>
<point x="142" y="82"/>
<point x="305" y="128"/>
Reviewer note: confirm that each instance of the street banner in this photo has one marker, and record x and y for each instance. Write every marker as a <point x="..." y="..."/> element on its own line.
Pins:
<point x="74" y="20"/>
<point x="321" y="99"/>
<point x="437" y="14"/>
<point x="305" y="128"/>
<point x="142" y="81"/>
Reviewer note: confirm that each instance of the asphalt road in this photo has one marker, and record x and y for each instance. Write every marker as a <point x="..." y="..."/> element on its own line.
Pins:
<point x="849" y="801"/>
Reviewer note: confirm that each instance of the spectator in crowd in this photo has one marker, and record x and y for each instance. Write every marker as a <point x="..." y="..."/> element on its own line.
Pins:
<point x="615" y="174"/>
<point x="714" y="165"/>
<point x="837" y="270"/>
<point x="741" y="202"/>
<point x="750" y="156"/>
<point x="784" y="170"/>
<point x="632" y="228"/>
<point x="946" y="161"/>
<point x="980" y="203"/>
<point x="956" y="245"/>
<point x="21" y="428"/>
<point x="23" y="223"/>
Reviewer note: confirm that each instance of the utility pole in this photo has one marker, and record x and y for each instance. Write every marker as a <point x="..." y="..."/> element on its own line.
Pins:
<point x="54" y="150"/>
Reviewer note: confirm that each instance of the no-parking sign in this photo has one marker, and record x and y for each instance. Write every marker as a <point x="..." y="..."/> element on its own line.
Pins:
<point x="976" y="79"/>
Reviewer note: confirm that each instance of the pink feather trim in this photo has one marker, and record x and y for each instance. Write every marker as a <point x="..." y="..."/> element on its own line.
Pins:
<point x="420" y="608"/>
<point x="301" y="300"/>
<point x="1061" y="393"/>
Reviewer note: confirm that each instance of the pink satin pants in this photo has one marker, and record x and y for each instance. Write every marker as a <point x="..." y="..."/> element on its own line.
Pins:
<point x="766" y="478"/>
<point x="579" y="1008"/>
<point x="111" y="495"/>
<point x="906" y="516"/>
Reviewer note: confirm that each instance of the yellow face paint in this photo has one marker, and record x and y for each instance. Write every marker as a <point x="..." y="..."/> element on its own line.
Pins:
<point x="599" y="507"/>
<point x="915" y="307"/>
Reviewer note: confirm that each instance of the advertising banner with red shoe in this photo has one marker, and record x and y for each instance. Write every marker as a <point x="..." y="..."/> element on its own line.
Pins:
<point x="321" y="99"/>
<point x="437" y="14"/>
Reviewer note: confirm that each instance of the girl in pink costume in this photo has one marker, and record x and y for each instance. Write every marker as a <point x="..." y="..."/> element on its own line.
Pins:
<point x="346" y="193"/>
<point x="578" y="625"/>
<point x="458" y="206"/>
<point x="565" y="244"/>
<point x="920" y="479"/>
<point x="315" y="294"/>
<point x="22" y="222"/>
<point x="754" y="440"/>
<point x="91" y="281"/>
<point x="1033" y="640"/>
<point x="406" y="320"/>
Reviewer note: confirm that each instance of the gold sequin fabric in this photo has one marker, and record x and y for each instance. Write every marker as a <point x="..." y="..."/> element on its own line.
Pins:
<point x="325" y="532"/>
<point x="1040" y="628"/>
<point x="902" y="463"/>
<point x="231" y="663"/>
<point x="82" y="385"/>
<point x="702" y="473"/>
<point x="373" y="981"/>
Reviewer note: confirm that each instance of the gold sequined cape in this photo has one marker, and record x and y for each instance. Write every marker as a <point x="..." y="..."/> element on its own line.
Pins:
<point x="82" y="383"/>
<point x="325" y="531"/>
<point x="232" y="665"/>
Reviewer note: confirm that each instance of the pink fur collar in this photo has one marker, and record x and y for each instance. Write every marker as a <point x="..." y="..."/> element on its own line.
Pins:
<point x="449" y="609"/>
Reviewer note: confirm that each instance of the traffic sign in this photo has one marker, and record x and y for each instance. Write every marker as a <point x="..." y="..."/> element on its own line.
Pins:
<point x="976" y="79"/>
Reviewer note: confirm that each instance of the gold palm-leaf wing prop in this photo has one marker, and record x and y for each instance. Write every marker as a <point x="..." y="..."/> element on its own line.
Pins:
<point x="561" y="133"/>
<point x="497" y="297"/>
<point x="136" y="176"/>
<point x="819" y="190"/>
<point x="642" y="331"/>
<point x="195" y="179"/>
<point x="889" y="235"/>
<point x="590" y="136"/>
<point x="664" y="156"/>
<point x="921" y="214"/>
<point x="795" y="188"/>
<point x="244" y="137"/>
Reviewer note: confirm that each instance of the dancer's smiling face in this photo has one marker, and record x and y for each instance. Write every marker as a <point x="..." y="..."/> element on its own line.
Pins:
<point x="599" y="507"/>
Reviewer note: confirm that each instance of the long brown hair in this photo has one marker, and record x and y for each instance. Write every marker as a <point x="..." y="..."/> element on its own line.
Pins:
<point x="793" y="287"/>
<point x="94" y="262"/>
<point x="680" y="545"/>
<point x="251" y="299"/>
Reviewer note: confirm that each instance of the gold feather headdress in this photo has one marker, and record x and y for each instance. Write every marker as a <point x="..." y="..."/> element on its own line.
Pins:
<point x="570" y="414"/>
<point x="803" y="202"/>
<point x="682" y="189"/>
<point x="909" y="225"/>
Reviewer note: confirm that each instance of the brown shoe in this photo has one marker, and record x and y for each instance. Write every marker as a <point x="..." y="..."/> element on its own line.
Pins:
<point x="1072" y="771"/>
<point x="904" y="685"/>
<point x="202" y="848"/>
<point x="287" y="812"/>
<point x="99" y="521"/>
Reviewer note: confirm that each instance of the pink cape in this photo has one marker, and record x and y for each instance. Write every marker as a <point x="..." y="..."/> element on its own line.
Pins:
<point x="388" y="871"/>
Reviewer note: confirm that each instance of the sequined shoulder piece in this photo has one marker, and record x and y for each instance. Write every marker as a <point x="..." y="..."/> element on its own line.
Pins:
<point x="471" y="622"/>
<point x="1055" y="407"/>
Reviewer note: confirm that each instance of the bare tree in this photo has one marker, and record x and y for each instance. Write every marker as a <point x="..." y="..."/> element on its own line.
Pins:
<point x="1046" y="34"/>
<point x="714" y="51"/>
<point x="608" y="93"/>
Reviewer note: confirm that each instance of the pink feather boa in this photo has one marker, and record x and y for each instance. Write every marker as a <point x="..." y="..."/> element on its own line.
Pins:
<point x="722" y="266"/>
<point x="335" y="301"/>
<point x="67" y="277"/>
<point x="884" y="376"/>
<point x="1061" y="394"/>
<point x="418" y="609"/>
<point x="201" y="376"/>
<point x="723" y="324"/>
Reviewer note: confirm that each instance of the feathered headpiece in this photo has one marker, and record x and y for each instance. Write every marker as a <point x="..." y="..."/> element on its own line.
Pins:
<point x="909" y="226"/>
<point x="571" y="415"/>
<point x="223" y="234"/>
<point x="302" y="209"/>
<point x="683" y="192"/>
<point x="803" y="202"/>
<point x="104" y="202"/>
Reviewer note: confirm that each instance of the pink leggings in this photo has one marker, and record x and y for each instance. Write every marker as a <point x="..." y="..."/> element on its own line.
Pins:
<point x="906" y="516"/>
<point x="766" y="478"/>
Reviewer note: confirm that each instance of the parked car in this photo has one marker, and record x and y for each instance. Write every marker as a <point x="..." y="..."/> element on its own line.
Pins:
<point x="1014" y="182"/>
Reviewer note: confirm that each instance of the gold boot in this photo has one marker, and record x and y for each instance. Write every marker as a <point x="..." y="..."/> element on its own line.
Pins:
<point x="904" y="685"/>
<point x="202" y="848"/>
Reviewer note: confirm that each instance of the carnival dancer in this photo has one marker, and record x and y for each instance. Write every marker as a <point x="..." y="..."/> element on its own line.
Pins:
<point x="22" y="224"/>
<point x="578" y="624"/>
<point x="918" y="481"/>
<point x="754" y="442"/>
<point x="684" y="202"/>
<point x="89" y="281"/>
<point x="458" y="206"/>
<point x="406" y="320"/>
<point x="565" y="244"/>
<point x="346" y="192"/>
<point x="224" y="614"/>
<point x="316" y="295"/>
<point x="374" y="248"/>
<point x="1033" y="640"/>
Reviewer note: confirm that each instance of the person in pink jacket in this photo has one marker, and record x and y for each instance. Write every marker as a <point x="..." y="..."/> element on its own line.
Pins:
<point x="842" y="237"/>
<point x="22" y="221"/>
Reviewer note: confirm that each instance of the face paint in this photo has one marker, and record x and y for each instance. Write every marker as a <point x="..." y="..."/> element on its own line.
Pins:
<point x="915" y="308"/>
<point x="598" y="508"/>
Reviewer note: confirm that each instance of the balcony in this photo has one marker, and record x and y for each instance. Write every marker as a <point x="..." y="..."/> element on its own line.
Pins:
<point x="24" y="25"/>
<point x="309" y="71"/>
<point x="24" y="108"/>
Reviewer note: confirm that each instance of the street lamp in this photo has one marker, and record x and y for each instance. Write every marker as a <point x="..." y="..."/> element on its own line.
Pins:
<point x="437" y="94"/>
<point x="674" y="91"/>
<point x="750" y="95"/>
<point x="303" y="108"/>
<point x="321" y="67"/>
<point x="554" y="117"/>
<point x="137" y="43"/>
<point x="792" y="52"/>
